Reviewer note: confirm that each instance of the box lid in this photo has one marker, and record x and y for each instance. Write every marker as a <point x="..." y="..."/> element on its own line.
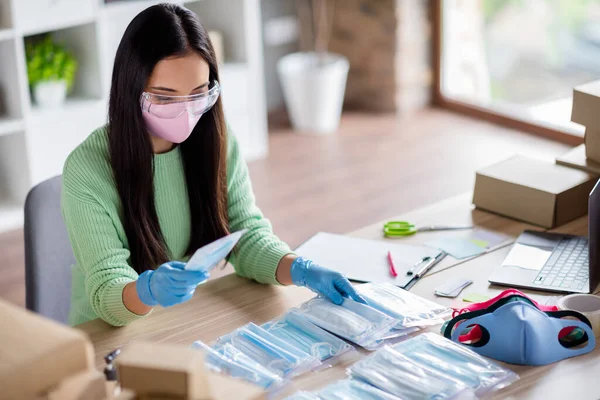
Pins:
<point x="536" y="174"/>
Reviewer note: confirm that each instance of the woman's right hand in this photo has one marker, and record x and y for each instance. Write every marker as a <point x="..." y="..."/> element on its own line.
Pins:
<point x="169" y="284"/>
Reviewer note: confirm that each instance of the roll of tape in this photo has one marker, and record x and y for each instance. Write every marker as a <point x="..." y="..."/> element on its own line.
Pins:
<point x="587" y="304"/>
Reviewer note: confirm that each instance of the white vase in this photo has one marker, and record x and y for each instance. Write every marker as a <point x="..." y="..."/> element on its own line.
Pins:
<point x="314" y="90"/>
<point x="50" y="94"/>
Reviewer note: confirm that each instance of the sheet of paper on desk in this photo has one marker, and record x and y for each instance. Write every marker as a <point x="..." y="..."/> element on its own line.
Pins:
<point x="364" y="260"/>
<point x="457" y="247"/>
<point x="475" y="243"/>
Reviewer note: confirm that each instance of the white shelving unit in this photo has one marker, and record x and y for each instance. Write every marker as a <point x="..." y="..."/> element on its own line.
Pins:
<point x="34" y="142"/>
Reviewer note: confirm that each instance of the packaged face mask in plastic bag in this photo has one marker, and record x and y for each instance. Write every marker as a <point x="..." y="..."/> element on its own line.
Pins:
<point x="269" y="351"/>
<point x="208" y="257"/>
<point x="392" y="372"/>
<point x="303" y="396"/>
<point x="432" y="351"/>
<point x="353" y="390"/>
<point x="353" y="321"/>
<point x="409" y="309"/>
<point x="230" y="361"/>
<point x="304" y="335"/>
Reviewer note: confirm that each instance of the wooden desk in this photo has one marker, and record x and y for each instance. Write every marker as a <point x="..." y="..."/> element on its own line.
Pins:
<point x="223" y="304"/>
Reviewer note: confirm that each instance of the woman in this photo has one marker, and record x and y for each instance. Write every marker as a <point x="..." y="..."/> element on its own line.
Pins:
<point x="164" y="178"/>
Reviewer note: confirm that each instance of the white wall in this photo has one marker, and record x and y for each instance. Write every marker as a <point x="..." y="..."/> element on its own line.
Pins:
<point x="273" y="11"/>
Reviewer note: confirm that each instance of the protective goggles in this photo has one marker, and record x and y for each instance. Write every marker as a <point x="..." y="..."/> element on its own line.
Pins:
<point x="169" y="107"/>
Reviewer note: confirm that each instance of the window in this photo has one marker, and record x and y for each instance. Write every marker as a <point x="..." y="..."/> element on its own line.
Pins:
<point x="519" y="58"/>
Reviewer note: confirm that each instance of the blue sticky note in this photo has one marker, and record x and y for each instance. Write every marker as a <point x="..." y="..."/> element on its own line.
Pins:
<point x="458" y="248"/>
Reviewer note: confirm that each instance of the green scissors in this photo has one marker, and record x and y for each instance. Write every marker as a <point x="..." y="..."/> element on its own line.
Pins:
<point x="405" y="228"/>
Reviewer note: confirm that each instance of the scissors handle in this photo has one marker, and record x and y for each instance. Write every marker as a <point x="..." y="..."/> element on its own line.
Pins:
<point x="434" y="228"/>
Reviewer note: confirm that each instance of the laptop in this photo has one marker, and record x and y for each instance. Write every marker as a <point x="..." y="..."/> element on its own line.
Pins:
<point x="555" y="262"/>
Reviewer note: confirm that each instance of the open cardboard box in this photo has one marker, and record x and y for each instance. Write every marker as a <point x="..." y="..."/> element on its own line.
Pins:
<point x="586" y="111"/>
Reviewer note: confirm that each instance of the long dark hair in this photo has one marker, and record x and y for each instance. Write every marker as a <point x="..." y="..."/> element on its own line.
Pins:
<point x="160" y="32"/>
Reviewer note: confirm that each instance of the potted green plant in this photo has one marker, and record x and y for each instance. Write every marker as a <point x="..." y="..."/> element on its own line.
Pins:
<point x="51" y="71"/>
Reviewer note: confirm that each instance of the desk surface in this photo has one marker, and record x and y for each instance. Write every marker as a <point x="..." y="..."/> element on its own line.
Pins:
<point x="224" y="304"/>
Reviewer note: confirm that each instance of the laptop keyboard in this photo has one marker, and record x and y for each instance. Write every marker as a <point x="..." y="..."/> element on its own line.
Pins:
<point x="567" y="268"/>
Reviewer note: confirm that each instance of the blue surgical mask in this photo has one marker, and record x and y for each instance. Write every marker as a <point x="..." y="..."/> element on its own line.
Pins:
<point x="301" y="334"/>
<point x="353" y="321"/>
<point x="269" y="351"/>
<point x="409" y="309"/>
<point x="230" y="361"/>
<point x="390" y="371"/>
<point x="519" y="333"/>
<point x="353" y="390"/>
<point x="432" y="351"/>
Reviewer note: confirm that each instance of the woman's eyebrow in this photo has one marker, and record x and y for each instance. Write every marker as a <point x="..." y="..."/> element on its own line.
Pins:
<point x="202" y="86"/>
<point x="163" y="89"/>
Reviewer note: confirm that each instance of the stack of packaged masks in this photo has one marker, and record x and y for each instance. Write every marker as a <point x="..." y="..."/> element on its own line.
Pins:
<point x="309" y="337"/>
<point x="424" y="367"/>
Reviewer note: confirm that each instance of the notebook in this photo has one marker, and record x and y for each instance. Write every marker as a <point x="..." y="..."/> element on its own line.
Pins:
<point x="364" y="260"/>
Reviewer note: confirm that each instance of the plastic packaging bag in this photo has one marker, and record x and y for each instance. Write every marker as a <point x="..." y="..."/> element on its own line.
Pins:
<point x="432" y="351"/>
<point x="230" y="361"/>
<point x="303" y="396"/>
<point x="353" y="321"/>
<point x="409" y="309"/>
<point x="353" y="390"/>
<point x="269" y="351"/>
<point x="208" y="257"/>
<point x="392" y="372"/>
<point x="304" y="335"/>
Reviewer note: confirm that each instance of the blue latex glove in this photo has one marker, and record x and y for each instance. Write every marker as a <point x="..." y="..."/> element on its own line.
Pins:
<point x="326" y="282"/>
<point x="169" y="284"/>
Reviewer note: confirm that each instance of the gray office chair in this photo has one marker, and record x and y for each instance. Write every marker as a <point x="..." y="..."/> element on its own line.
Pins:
<point x="48" y="254"/>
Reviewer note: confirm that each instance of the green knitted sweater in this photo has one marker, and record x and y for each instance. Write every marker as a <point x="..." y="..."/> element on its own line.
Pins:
<point x="92" y="213"/>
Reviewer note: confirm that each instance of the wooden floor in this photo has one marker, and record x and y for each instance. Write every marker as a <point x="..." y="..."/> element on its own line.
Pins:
<point x="373" y="168"/>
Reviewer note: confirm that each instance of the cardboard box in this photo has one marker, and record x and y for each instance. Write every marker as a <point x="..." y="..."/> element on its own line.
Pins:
<point x="37" y="354"/>
<point x="163" y="369"/>
<point x="88" y="385"/>
<point x="592" y="143"/>
<point x="155" y="371"/>
<point x="586" y="103"/>
<point x="576" y="158"/>
<point x="534" y="191"/>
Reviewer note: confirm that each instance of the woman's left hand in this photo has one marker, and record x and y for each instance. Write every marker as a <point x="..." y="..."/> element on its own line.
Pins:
<point x="326" y="282"/>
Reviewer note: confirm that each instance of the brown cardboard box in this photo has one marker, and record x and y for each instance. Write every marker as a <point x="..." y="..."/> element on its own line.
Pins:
<point x="586" y="103"/>
<point x="36" y="354"/>
<point x="163" y="369"/>
<point x="534" y="191"/>
<point x="576" y="158"/>
<point x="88" y="385"/>
<point x="592" y="143"/>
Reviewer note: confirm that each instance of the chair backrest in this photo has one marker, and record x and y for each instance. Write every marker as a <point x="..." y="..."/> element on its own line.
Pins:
<point x="48" y="253"/>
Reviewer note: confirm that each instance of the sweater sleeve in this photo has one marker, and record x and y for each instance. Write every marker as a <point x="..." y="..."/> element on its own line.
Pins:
<point x="258" y="253"/>
<point x="99" y="253"/>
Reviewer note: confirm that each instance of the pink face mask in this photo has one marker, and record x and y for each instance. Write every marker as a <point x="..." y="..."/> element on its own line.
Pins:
<point x="175" y="130"/>
<point x="173" y="118"/>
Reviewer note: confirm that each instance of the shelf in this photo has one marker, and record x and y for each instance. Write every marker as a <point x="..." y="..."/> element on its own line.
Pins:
<point x="10" y="125"/>
<point x="6" y="34"/>
<point x="73" y="106"/>
<point x="11" y="216"/>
